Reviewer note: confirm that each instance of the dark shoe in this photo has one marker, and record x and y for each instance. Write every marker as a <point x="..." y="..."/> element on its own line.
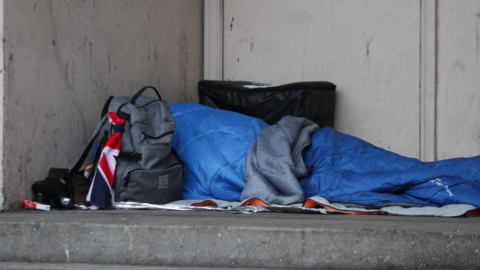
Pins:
<point x="51" y="187"/>
<point x="81" y="185"/>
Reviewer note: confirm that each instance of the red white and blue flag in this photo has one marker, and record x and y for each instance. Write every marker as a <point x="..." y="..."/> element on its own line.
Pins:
<point x="101" y="194"/>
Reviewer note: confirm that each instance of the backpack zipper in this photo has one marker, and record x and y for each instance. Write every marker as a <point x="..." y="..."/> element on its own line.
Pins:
<point x="127" y="178"/>
<point x="159" y="136"/>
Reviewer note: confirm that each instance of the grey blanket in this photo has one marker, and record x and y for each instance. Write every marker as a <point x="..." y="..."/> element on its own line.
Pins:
<point x="275" y="163"/>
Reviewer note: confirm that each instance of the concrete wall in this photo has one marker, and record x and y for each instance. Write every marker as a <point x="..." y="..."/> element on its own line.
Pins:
<point x="407" y="71"/>
<point x="369" y="49"/>
<point x="458" y="96"/>
<point x="63" y="59"/>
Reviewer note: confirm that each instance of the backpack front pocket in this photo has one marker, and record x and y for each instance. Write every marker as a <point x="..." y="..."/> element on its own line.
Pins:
<point x="158" y="186"/>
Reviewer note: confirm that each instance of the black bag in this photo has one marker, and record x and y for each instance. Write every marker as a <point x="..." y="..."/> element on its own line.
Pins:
<point x="53" y="189"/>
<point x="147" y="169"/>
<point x="312" y="100"/>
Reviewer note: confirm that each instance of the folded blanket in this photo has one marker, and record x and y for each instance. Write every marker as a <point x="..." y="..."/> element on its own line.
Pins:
<point x="275" y="162"/>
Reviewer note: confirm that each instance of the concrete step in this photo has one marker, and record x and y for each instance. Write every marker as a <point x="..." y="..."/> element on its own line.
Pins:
<point x="82" y="266"/>
<point x="232" y="240"/>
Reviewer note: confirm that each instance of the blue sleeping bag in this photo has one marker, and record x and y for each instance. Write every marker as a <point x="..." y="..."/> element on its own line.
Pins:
<point x="348" y="169"/>
<point x="214" y="145"/>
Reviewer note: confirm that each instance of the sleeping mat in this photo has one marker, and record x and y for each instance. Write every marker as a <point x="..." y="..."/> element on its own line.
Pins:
<point x="214" y="145"/>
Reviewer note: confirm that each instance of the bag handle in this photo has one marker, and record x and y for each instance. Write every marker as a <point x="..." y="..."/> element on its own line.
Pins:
<point x="140" y="92"/>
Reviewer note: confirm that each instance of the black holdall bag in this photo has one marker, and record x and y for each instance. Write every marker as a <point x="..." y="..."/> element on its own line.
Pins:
<point x="313" y="100"/>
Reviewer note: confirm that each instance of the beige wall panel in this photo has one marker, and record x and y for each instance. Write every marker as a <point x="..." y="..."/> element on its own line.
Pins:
<point x="458" y="97"/>
<point x="160" y="42"/>
<point x="369" y="49"/>
<point x="47" y="78"/>
<point x="64" y="58"/>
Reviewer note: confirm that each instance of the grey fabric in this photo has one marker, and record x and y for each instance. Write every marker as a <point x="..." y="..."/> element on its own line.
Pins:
<point x="156" y="177"/>
<point x="275" y="163"/>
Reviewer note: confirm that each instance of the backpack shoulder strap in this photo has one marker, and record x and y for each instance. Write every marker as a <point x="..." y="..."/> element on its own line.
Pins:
<point x="105" y="107"/>
<point x="76" y="167"/>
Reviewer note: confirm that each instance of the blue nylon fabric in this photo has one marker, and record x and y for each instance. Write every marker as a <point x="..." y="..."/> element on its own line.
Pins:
<point x="214" y="145"/>
<point x="348" y="169"/>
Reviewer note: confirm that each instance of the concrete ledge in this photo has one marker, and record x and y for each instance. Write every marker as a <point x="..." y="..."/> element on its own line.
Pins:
<point x="80" y="266"/>
<point x="223" y="239"/>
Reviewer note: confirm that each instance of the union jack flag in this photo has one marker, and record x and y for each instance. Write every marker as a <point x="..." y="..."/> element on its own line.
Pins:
<point x="101" y="194"/>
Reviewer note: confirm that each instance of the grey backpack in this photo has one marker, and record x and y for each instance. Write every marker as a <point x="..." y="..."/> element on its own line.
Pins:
<point x="148" y="169"/>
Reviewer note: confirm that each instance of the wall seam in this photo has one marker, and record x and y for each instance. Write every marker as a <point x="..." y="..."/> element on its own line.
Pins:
<point x="428" y="79"/>
<point x="213" y="40"/>
<point x="222" y="18"/>
<point x="420" y="86"/>
<point x="435" y="123"/>
<point x="2" y="114"/>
